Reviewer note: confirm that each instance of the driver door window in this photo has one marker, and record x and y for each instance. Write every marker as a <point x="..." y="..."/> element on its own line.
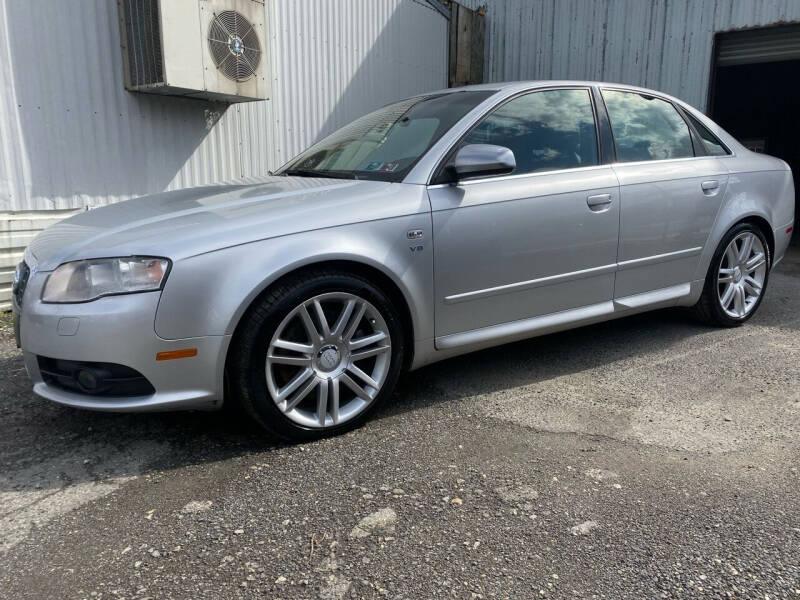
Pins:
<point x="547" y="130"/>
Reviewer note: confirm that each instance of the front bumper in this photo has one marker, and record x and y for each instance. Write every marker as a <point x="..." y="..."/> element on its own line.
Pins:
<point x="119" y="330"/>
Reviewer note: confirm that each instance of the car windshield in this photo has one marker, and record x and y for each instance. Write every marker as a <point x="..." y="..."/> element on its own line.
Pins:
<point x="385" y="144"/>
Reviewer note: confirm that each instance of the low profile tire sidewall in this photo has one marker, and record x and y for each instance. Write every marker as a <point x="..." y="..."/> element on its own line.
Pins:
<point x="711" y="287"/>
<point x="256" y="344"/>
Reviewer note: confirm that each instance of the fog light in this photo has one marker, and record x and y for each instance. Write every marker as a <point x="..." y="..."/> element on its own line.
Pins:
<point x="86" y="379"/>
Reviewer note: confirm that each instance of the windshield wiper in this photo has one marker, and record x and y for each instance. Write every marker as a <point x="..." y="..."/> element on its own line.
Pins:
<point x="313" y="173"/>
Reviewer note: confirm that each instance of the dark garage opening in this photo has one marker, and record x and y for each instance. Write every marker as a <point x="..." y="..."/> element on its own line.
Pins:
<point x="756" y="93"/>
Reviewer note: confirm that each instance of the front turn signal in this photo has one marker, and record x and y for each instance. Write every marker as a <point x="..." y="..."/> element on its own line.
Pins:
<point x="173" y="354"/>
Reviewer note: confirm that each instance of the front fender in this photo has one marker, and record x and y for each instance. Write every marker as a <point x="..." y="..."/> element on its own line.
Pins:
<point x="208" y="294"/>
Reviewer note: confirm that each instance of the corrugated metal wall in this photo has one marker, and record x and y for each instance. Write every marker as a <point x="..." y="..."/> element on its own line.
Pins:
<point x="334" y="61"/>
<point x="72" y="137"/>
<point x="661" y="44"/>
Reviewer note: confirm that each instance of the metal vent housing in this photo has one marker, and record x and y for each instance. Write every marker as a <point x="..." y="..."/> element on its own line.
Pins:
<point x="143" y="41"/>
<point x="211" y="49"/>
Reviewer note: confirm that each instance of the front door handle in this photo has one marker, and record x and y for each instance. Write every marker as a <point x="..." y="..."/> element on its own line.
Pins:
<point x="598" y="201"/>
<point x="710" y="186"/>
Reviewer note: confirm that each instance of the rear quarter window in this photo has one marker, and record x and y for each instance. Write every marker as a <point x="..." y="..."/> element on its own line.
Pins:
<point x="713" y="146"/>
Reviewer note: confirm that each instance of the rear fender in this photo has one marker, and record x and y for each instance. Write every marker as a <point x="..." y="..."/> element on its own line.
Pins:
<point x="768" y="195"/>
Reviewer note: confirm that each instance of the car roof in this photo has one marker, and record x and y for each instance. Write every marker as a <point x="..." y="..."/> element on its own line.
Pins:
<point x="536" y="83"/>
<point x="508" y="88"/>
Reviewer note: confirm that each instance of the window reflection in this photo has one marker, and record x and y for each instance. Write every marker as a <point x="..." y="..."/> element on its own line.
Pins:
<point x="713" y="145"/>
<point x="646" y="128"/>
<point x="385" y="144"/>
<point x="547" y="130"/>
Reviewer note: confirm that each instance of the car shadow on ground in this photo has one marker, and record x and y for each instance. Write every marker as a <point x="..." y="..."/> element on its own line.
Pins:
<point x="547" y="357"/>
<point x="41" y="441"/>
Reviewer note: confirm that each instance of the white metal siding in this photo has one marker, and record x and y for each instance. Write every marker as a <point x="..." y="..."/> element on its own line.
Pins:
<point x="335" y="61"/>
<point x="71" y="136"/>
<point x="16" y="232"/>
<point x="661" y="44"/>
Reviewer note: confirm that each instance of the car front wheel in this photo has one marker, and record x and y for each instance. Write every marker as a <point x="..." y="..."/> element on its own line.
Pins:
<point x="317" y="355"/>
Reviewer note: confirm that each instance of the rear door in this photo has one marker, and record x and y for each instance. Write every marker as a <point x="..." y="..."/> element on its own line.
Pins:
<point x="671" y="191"/>
<point x="540" y="240"/>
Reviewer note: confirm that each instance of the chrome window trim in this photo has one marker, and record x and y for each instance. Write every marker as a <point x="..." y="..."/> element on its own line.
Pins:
<point x="435" y="186"/>
<point x="664" y="160"/>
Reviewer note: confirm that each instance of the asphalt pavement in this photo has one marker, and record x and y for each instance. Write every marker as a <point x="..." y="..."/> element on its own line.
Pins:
<point x="649" y="457"/>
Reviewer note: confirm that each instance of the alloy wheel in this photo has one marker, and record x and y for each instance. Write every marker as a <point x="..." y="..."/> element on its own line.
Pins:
<point x="741" y="276"/>
<point x="328" y="359"/>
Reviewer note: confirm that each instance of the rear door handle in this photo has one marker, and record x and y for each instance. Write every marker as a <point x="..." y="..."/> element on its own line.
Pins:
<point x="598" y="200"/>
<point x="710" y="186"/>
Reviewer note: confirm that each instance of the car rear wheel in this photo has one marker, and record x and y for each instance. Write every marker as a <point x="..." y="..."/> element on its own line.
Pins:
<point x="737" y="277"/>
<point x="317" y="355"/>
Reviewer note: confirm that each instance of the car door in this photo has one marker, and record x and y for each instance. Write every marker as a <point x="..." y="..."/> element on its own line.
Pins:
<point x="538" y="241"/>
<point x="670" y="194"/>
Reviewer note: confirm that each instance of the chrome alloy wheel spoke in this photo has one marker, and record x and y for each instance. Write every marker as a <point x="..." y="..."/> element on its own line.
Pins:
<point x="741" y="275"/>
<point x="328" y="359"/>
<point x="755" y="262"/>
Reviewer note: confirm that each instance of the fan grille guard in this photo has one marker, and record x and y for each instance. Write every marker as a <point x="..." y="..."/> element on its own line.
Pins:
<point x="234" y="45"/>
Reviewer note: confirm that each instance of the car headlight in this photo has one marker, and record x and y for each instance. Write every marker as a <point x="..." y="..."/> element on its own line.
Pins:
<point x="85" y="280"/>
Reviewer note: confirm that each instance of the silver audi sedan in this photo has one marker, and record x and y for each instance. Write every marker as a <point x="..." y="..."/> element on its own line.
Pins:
<point x="434" y="226"/>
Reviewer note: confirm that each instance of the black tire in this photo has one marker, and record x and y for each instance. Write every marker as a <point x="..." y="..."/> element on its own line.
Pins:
<point x="709" y="308"/>
<point x="246" y="366"/>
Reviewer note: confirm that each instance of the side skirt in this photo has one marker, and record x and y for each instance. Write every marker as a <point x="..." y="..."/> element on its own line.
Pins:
<point x="517" y="330"/>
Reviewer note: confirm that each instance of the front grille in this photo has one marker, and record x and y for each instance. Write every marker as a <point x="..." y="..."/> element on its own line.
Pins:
<point x="94" y="378"/>
<point x="21" y="275"/>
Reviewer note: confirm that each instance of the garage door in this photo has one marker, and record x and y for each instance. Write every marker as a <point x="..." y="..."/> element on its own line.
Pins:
<point x="770" y="44"/>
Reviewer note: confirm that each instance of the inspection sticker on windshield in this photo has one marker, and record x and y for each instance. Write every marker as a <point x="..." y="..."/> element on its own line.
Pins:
<point x="373" y="166"/>
<point x="389" y="167"/>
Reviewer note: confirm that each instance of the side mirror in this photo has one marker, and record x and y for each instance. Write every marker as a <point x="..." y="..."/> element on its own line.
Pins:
<point x="479" y="160"/>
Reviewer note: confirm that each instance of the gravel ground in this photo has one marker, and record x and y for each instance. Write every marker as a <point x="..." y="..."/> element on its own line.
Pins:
<point x="649" y="457"/>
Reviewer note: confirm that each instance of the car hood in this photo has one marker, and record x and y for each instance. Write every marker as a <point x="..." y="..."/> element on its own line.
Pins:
<point x="192" y="221"/>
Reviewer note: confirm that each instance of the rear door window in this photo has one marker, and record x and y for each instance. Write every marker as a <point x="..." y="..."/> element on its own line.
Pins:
<point x="646" y="127"/>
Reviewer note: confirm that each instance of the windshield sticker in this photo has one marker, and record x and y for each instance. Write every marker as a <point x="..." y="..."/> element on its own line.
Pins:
<point x="373" y="166"/>
<point x="390" y="167"/>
